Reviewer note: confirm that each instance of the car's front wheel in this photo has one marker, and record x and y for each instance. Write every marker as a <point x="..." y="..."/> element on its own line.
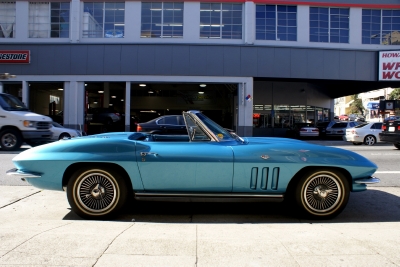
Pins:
<point x="96" y="193"/>
<point x="397" y="146"/>
<point x="10" y="139"/>
<point x="322" y="194"/>
<point x="370" y="140"/>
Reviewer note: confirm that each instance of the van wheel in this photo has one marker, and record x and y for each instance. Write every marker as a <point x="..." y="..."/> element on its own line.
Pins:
<point x="10" y="139"/>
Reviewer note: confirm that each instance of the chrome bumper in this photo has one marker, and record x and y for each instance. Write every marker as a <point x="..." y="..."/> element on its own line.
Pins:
<point x="20" y="173"/>
<point x="370" y="180"/>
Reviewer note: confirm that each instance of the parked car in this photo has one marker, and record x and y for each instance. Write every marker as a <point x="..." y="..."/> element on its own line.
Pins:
<point x="366" y="133"/>
<point x="391" y="132"/>
<point x="391" y="118"/>
<point x="105" y="116"/>
<point x="60" y="132"/>
<point x="208" y="163"/>
<point x="305" y="130"/>
<point x="343" y="117"/>
<point x="356" y="117"/>
<point x="164" y="124"/>
<point x="321" y="125"/>
<point x="339" y="128"/>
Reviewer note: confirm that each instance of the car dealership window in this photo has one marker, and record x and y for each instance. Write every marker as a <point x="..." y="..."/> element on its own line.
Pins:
<point x="276" y="22"/>
<point x="329" y="25"/>
<point x="103" y="20"/>
<point x="7" y="19"/>
<point x="49" y="20"/>
<point x="381" y="26"/>
<point x="162" y="20"/>
<point x="221" y="21"/>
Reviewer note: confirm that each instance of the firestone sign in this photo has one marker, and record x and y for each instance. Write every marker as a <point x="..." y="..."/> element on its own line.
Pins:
<point x="389" y="66"/>
<point x="15" y="57"/>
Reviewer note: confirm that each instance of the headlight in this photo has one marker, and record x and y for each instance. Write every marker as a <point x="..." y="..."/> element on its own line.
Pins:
<point x="29" y="123"/>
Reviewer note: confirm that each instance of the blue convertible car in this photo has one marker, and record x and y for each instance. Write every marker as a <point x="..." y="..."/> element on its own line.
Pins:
<point x="208" y="163"/>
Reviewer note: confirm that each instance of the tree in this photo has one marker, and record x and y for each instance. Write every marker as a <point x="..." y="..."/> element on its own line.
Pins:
<point x="395" y="94"/>
<point x="356" y="106"/>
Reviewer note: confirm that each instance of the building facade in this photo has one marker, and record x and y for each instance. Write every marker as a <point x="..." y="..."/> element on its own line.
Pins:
<point x="254" y="66"/>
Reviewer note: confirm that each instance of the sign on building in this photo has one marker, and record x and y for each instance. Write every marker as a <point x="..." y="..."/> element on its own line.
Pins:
<point x="15" y="57"/>
<point x="389" y="65"/>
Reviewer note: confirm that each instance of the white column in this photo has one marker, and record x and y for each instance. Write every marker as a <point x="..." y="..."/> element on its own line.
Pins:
<point x="249" y="22"/>
<point x="303" y="24"/>
<point x="74" y="99"/>
<point x="245" y="108"/>
<point x="25" y="93"/>
<point x="75" y="21"/>
<point x="1" y="87"/>
<point x="128" y="107"/>
<point x="21" y="20"/>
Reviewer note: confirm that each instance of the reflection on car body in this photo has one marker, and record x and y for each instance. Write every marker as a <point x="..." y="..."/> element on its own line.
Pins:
<point x="208" y="163"/>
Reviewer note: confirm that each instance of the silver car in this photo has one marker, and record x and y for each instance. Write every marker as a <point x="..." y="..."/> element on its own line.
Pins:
<point x="339" y="128"/>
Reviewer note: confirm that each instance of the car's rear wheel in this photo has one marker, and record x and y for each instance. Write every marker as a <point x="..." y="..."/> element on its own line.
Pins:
<point x="64" y="135"/>
<point x="370" y="140"/>
<point x="322" y="194"/>
<point x="96" y="193"/>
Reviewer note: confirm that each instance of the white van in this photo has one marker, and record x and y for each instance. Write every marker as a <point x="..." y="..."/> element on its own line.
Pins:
<point x="18" y="124"/>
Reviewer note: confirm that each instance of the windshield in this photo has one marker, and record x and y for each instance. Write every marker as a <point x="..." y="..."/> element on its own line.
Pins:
<point x="11" y="103"/>
<point x="221" y="133"/>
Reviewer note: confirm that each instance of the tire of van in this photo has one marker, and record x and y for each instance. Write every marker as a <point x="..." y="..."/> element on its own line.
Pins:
<point x="10" y="139"/>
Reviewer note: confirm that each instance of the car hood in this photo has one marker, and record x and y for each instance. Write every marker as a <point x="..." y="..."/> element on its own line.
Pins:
<point x="292" y="150"/>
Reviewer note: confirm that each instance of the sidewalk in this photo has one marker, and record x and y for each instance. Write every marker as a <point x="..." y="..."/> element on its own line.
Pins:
<point x="37" y="228"/>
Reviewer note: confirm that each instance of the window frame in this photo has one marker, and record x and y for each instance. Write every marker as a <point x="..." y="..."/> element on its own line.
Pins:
<point x="371" y="35"/>
<point x="341" y="38"/>
<point x="207" y="28"/>
<point x="275" y="30"/>
<point x="163" y="28"/>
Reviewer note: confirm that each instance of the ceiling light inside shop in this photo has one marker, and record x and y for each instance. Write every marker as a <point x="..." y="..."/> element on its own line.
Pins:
<point x="200" y="93"/>
<point x="148" y="111"/>
<point x="100" y="92"/>
<point x="94" y="102"/>
<point x="113" y="96"/>
<point x="110" y="105"/>
<point x="122" y="100"/>
<point x="203" y="85"/>
<point x="85" y="84"/>
<point x="60" y="89"/>
<point x="142" y="85"/>
<point x="150" y="92"/>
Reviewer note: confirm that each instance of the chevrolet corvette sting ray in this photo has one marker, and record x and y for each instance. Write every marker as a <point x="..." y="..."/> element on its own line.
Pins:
<point x="208" y="163"/>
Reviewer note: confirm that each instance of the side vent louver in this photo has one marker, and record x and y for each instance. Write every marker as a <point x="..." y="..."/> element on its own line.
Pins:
<point x="264" y="179"/>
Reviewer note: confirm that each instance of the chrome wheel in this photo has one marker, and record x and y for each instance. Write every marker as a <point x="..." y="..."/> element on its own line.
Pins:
<point x="322" y="194"/>
<point x="95" y="193"/>
<point x="370" y="140"/>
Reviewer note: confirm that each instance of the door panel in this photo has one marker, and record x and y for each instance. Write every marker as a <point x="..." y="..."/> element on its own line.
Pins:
<point x="185" y="166"/>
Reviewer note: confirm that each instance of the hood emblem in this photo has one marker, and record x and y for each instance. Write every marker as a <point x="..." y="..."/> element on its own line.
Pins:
<point x="264" y="156"/>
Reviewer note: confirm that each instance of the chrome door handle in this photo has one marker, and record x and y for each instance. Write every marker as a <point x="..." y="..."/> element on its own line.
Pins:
<point x="143" y="154"/>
